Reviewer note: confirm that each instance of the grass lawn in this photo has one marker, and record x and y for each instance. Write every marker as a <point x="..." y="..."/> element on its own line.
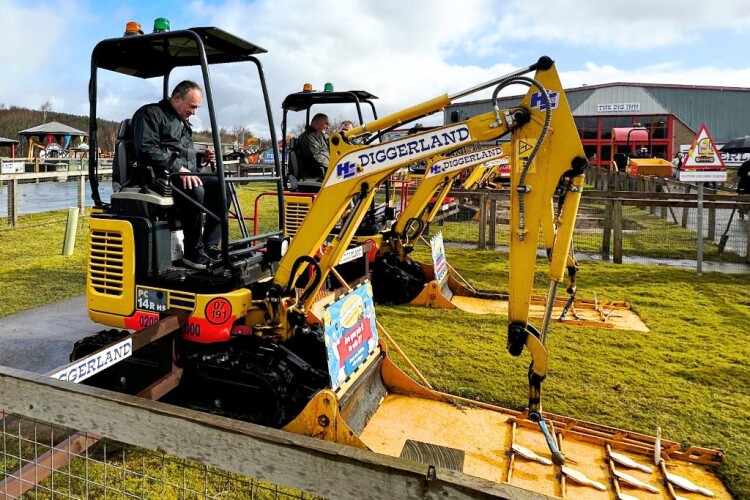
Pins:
<point x="683" y="375"/>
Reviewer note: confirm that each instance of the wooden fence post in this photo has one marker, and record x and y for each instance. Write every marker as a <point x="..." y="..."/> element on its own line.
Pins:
<point x="493" y="224"/>
<point x="617" y="229"/>
<point x="711" y="224"/>
<point x="483" y="222"/>
<point x="685" y="210"/>
<point x="82" y="194"/>
<point x="13" y="203"/>
<point x="747" y="246"/>
<point x="607" y="230"/>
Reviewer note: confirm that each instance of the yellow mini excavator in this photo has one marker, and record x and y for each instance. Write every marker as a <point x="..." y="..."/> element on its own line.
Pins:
<point x="257" y="344"/>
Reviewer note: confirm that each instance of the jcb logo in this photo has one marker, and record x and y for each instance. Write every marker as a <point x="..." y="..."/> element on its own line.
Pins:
<point x="346" y="170"/>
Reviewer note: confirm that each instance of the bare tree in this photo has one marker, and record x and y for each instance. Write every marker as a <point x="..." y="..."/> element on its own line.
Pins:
<point x="296" y="130"/>
<point x="45" y="108"/>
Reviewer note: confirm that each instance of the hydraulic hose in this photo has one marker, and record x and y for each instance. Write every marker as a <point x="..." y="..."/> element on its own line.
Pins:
<point x="522" y="187"/>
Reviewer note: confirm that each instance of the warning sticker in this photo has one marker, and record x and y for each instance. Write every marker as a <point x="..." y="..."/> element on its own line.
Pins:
<point x="703" y="162"/>
<point x="703" y="154"/>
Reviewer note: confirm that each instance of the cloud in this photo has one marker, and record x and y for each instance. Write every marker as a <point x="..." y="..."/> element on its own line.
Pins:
<point x="635" y="25"/>
<point x="32" y="33"/>
<point x="664" y="73"/>
<point x="404" y="51"/>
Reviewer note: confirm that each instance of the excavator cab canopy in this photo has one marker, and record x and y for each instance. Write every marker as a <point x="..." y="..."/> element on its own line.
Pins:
<point x="628" y="135"/>
<point x="157" y="54"/>
<point x="302" y="101"/>
<point x="305" y="100"/>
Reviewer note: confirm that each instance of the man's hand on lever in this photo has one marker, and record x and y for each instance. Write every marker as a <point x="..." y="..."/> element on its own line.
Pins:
<point x="190" y="181"/>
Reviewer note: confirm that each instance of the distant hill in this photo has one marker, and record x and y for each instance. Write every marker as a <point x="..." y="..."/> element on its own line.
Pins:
<point x="14" y="119"/>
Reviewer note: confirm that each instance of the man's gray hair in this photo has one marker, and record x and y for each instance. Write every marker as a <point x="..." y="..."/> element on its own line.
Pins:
<point x="184" y="87"/>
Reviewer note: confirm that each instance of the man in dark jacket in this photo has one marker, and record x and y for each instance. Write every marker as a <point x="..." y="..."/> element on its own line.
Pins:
<point x="312" y="148"/>
<point x="743" y="182"/>
<point x="163" y="140"/>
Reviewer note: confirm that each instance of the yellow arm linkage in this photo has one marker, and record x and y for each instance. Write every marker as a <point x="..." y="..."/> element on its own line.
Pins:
<point x="358" y="170"/>
<point x="437" y="181"/>
<point x="537" y="168"/>
<point x="483" y="173"/>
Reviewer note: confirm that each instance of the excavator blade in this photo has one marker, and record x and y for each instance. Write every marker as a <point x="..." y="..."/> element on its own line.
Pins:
<point x="384" y="410"/>
<point x="452" y="293"/>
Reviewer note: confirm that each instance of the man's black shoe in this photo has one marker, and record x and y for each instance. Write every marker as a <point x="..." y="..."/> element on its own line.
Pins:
<point x="213" y="252"/>
<point x="198" y="261"/>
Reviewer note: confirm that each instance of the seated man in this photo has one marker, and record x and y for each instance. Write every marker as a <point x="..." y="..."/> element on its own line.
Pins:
<point x="312" y="148"/>
<point x="163" y="140"/>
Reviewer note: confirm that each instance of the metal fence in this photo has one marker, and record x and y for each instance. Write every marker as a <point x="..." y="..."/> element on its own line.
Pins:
<point x="108" y="469"/>
<point x="656" y="226"/>
<point x="622" y="219"/>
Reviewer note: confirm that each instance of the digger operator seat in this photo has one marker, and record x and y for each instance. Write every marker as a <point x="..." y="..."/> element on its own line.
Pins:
<point x="123" y="163"/>
<point x="293" y="170"/>
<point x="134" y="191"/>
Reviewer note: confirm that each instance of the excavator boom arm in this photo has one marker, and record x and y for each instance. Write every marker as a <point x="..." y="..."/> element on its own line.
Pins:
<point x="441" y="171"/>
<point x="536" y="171"/>
<point x="356" y="169"/>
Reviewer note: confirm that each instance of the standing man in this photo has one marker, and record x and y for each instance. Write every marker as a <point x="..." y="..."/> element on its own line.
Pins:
<point x="312" y="147"/>
<point x="743" y="182"/>
<point x="163" y="140"/>
<point x="677" y="164"/>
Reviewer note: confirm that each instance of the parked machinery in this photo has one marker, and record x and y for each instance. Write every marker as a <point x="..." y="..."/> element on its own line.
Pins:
<point x="632" y="153"/>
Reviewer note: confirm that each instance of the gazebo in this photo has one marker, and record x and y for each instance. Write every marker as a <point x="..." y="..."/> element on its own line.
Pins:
<point x="51" y="133"/>
<point x="9" y="143"/>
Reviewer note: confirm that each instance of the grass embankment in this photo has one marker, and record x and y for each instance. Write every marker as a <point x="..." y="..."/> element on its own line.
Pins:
<point x="33" y="271"/>
<point x="689" y="375"/>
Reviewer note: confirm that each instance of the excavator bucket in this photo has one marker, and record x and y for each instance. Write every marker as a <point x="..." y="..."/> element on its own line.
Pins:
<point x="378" y="407"/>
<point x="454" y="292"/>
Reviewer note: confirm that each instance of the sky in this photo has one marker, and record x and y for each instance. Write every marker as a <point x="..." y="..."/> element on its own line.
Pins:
<point x="403" y="51"/>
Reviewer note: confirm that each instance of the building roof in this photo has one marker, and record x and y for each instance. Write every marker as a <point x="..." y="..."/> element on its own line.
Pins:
<point x="659" y="85"/>
<point x="4" y="141"/>
<point x="55" y="128"/>
<point x="722" y="109"/>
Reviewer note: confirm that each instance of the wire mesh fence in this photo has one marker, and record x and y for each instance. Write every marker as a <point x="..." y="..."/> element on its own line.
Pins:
<point x="85" y="466"/>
